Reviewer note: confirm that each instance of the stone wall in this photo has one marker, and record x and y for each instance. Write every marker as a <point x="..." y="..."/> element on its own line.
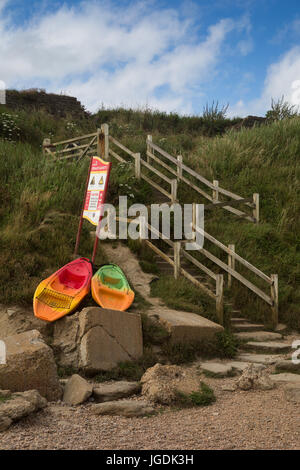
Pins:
<point x="38" y="99"/>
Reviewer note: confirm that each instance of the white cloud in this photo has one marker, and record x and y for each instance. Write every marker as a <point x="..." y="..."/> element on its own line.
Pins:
<point x="282" y="79"/>
<point x="105" y="55"/>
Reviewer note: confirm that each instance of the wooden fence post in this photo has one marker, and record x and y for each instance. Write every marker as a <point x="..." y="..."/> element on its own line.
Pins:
<point x="231" y="264"/>
<point x="174" y="190"/>
<point x="105" y="144"/>
<point x="179" y="167"/>
<point x="194" y="220"/>
<point x="274" y="297"/>
<point x="46" y="143"/>
<point x="99" y="148"/>
<point x="256" y="208"/>
<point x="219" y="298"/>
<point x="216" y="191"/>
<point x="138" y="166"/>
<point x="177" y="247"/>
<point x="149" y="137"/>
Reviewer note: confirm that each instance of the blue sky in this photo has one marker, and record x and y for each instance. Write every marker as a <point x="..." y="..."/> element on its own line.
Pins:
<point x="169" y="55"/>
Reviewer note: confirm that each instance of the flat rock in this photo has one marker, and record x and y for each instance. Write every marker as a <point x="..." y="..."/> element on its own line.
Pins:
<point x="229" y="388"/>
<point x="259" y="358"/>
<point x="127" y="408"/>
<point x="267" y="346"/>
<point x="244" y="326"/>
<point x="288" y="366"/>
<point x="77" y="390"/>
<point x="292" y="392"/>
<point x="258" y="336"/>
<point x="238" y="365"/>
<point x="107" y="338"/>
<point x="286" y="377"/>
<point x="186" y="327"/>
<point x="115" y="391"/>
<point x="30" y="365"/>
<point x="217" y="368"/>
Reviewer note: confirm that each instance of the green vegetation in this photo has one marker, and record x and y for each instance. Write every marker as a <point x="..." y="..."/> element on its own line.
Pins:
<point x="204" y="397"/>
<point x="41" y="201"/>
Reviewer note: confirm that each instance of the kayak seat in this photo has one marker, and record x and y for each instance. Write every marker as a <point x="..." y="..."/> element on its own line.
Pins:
<point x="70" y="279"/>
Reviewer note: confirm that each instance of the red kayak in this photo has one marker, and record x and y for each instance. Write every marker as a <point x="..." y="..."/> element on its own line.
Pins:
<point x="60" y="293"/>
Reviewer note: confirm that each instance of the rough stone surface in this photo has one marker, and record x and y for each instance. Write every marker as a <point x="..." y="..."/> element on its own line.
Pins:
<point x="19" y="405"/>
<point x="65" y="340"/>
<point x="186" y="327"/>
<point x="108" y="337"/>
<point x="292" y="393"/>
<point x="255" y="377"/>
<point x="259" y="358"/>
<point x="288" y="366"/>
<point x="77" y="390"/>
<point x="286" y="377"/>
<point x="216" y="368"/>
<point x="15" y="320"/>
<point x="127" y="408"/>
<point x="161" y="383"/>
<point x="229" y="388"/>
<point x="244" y="326"/>
<point x="115" y="391"/>
<point x="238" y="365"/>
<point x="268" y="346"/>
<point x="258" y="336"/>
<point x="30" y="365"/>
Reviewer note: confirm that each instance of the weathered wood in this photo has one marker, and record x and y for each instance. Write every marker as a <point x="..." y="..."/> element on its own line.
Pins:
<point x="149" y="139"/>
<point x="157" y="172"/>
<point x="159" y="252"/>
<point x="121" y="146"/>
<point x="75" y="139"/>
<point x="274" y="298"/>
<point x="137" y="166"/>
<point x="105" y="149"/>
<point x="177" y="248"/>
<point x="46" y="143"/>
<point x="197" y="283"/>
<point x="179" y="167"/>
<point x="160" y="162"/>
<point x="85" y="152"/>
<point x="114" y="154"/>
<point x="219" y="298"/>
<point x="256" y="208"/>
<point x="231" y="264"/>
<point x="196" y="188"/>
<point x="224" y="203"/>
<point x="156" y="186"/>
<point x="216" y="190"/>
<point x="174" y="190"/>
<point x="235" y="255"/>
<point x="198" y="264"/>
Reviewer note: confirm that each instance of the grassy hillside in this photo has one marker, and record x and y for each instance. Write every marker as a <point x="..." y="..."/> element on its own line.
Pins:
<point x="40" y="200"/>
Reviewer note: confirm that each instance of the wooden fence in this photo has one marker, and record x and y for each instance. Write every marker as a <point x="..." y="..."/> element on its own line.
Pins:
<point x="106" y="146"/>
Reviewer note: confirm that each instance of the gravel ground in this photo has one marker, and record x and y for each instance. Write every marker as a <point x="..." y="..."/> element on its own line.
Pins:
<point x="237" y="420"/>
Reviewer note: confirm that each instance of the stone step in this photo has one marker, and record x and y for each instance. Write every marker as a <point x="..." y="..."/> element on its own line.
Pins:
<point x="288" y="366"/>
<point x="267" y="346"/>
<point x="286" y="378"/>
<point x="243" y="326"/>
<point x="259" y="358"/>
<point x="238" y="320"/>
<point x="258" y="336"/>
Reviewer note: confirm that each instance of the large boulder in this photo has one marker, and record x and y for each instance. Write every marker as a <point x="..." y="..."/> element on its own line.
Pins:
<point x="98" y="339"/>
<point x="255" y="376"/>
<point x="161" y="383"/>
<point x="30" y="365"/>
<point x="18" y="405"/>
<point x="77" y="390"/>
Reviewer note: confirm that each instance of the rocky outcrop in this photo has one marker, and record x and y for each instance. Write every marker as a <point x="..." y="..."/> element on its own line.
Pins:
<point x="98" y="339"/>
<point x="15" y="320"/>
<point x="18" y="405"/>
<point x="30" y="365"/>
<point x="77" y="390"/>
<point x="161" y="383"/>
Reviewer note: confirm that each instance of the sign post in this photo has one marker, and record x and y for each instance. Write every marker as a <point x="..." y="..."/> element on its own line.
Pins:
<point x="94" y="197"/>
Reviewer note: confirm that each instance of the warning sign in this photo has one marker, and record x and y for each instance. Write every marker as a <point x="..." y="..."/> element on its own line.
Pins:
<point x="96" y="191"/>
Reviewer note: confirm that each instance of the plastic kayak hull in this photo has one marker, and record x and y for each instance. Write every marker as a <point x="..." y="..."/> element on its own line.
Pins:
<point x="110" y="288"/>
<point x="60" y="293"/>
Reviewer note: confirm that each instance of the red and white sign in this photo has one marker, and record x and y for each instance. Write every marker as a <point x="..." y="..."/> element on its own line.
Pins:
<point x="96" y="190"/>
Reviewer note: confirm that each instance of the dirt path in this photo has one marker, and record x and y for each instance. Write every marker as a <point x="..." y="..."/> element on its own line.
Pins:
<point x="237" y="420"/>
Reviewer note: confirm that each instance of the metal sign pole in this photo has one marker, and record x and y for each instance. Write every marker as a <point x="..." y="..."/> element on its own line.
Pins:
<point x="81" y="215"/>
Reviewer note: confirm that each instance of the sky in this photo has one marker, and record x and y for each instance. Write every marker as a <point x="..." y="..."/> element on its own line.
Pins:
<point x="173" y="56"/>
